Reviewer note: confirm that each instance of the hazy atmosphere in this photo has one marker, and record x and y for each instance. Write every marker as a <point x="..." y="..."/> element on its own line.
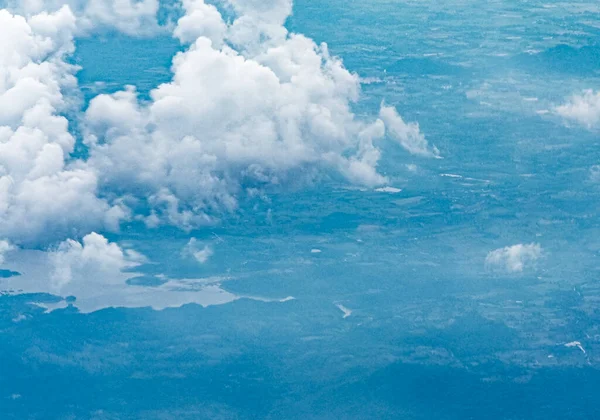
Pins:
<point x="259" y="209"/>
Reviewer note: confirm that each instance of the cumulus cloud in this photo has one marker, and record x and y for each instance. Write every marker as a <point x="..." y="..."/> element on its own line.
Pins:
<point x="513" y="259"/>
<point x="583" y="108"/>
<point x="134" y="17"/>
<point x="200" y="19"/>
<point x="94" y="257"/>
<point x="272" y="11"/>
<point x="250" y="107"/>
<point x="42" y="195"/>
<point x="199" y="252"/>
<point x="247" y="107"/>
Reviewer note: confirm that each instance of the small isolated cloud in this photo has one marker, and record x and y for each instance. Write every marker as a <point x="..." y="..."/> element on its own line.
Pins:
<point x="93" y="258"/>
<point x="199" y="252"/>
<point x="513" y="259"/>
<point x="583" y="108"/>
<point x="5" y="247"/>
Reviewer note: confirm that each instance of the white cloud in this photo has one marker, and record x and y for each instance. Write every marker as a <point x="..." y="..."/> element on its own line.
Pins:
<point x="513" y="259"/>
<point x="93" y="258"/>
<point x="238" y="112"/>
<point x="583" y="108"/>
<point x="409" y="135"/>
<point x="260" y="23"/>
<point x="199" y="252"/>
<point x="200" y="19"/>
<point x="96" y="272"/>
<point x="249" y="107"/>
<point x="5" y="247"/>
<point x="272" y="11"/>
<point x="134" y="17"/>
<point x="42" y="196"/>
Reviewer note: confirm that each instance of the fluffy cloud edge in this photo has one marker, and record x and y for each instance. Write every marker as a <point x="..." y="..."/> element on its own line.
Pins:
<point x="5" y="248"/>
<point x="132" y="17"/>
<point x="93" y="256"/>
<point x="276" y="108"/>
<point x="198" y="251"/>
<point x="583" y="108"/>
<point x="45" y="195"/>
<point x="513" y="259"/>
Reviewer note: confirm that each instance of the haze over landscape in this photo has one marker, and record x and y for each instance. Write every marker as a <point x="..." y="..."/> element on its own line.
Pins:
<point x="266" y="209"/>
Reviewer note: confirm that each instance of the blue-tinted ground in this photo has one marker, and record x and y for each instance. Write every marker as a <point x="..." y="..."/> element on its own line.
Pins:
<point x="432" y="333"/>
